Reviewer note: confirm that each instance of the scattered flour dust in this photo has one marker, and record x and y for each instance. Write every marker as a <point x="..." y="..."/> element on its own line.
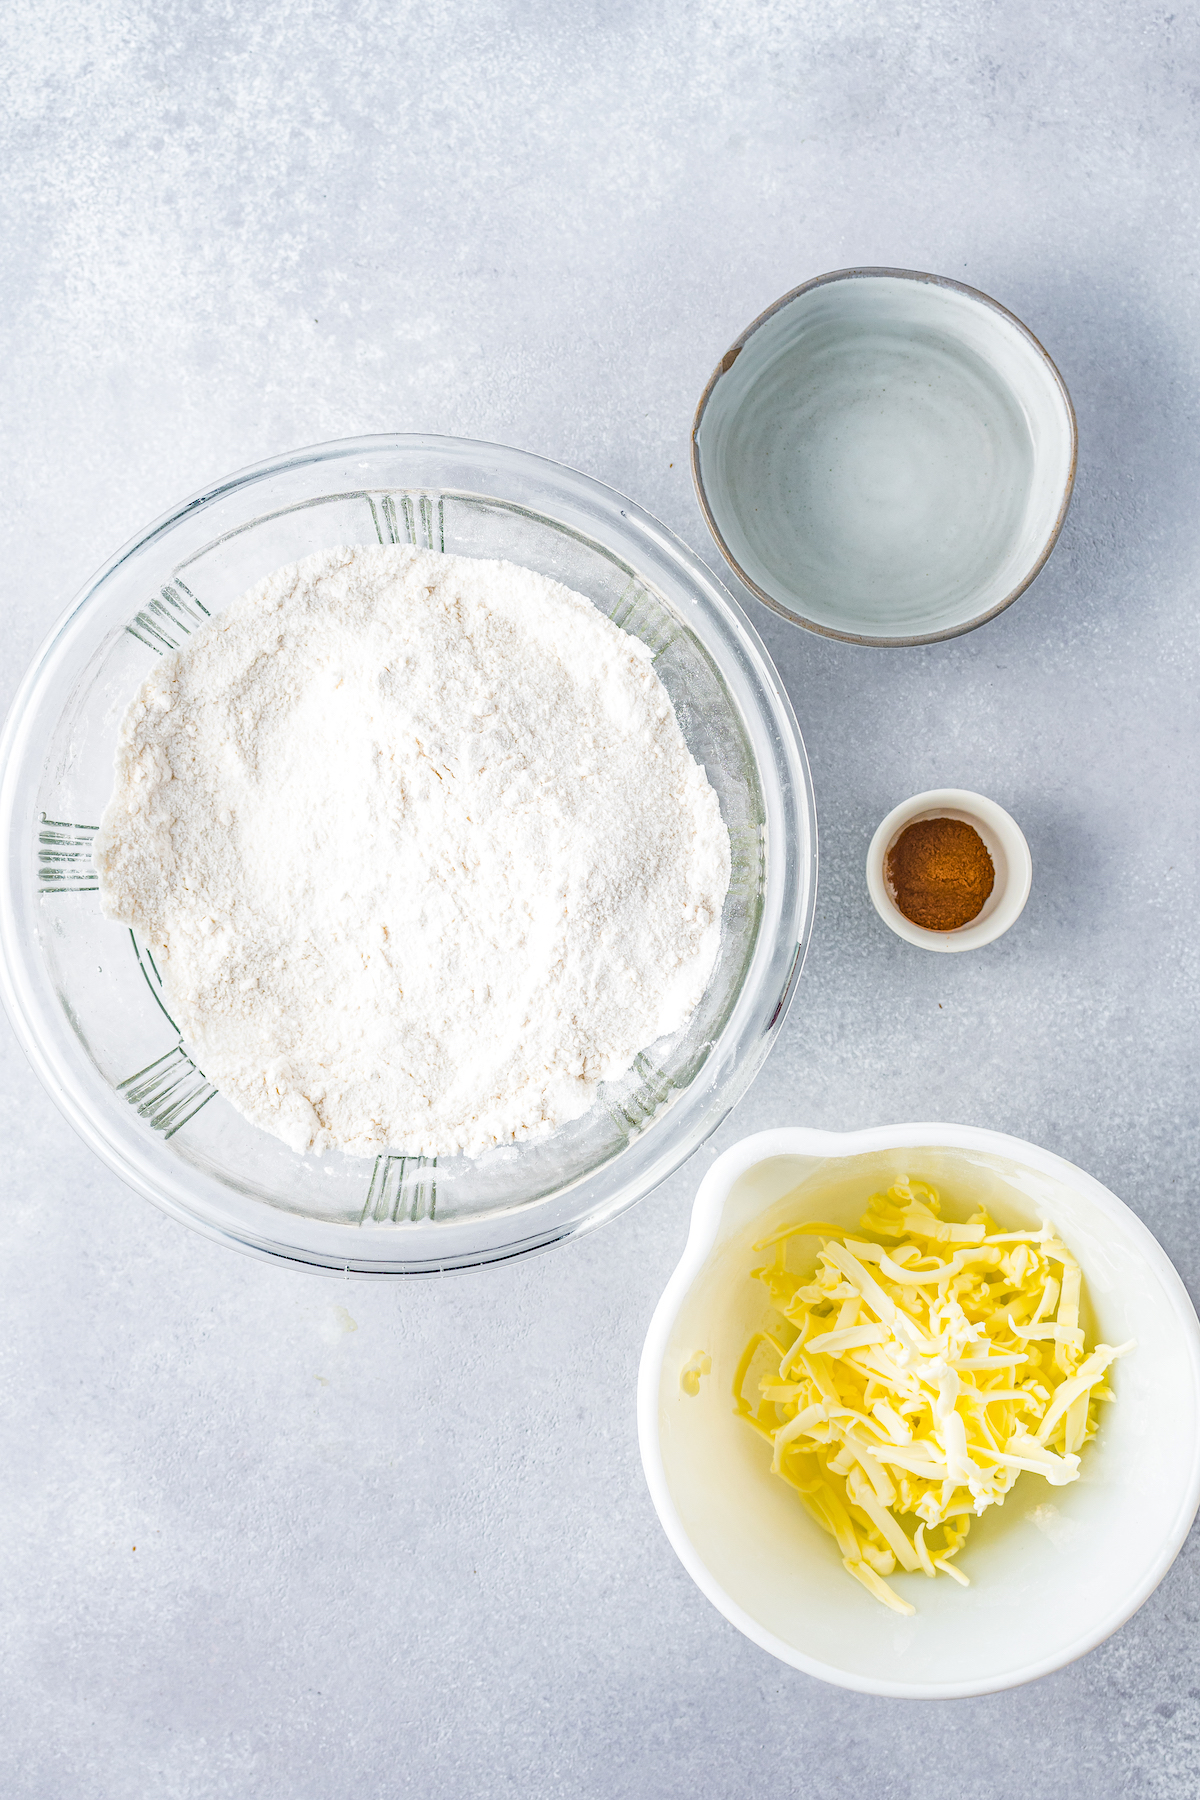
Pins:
<point x="422" y="848"/>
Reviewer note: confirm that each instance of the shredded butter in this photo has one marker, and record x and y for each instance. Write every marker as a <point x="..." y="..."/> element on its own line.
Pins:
<point x="917" y="1375"/>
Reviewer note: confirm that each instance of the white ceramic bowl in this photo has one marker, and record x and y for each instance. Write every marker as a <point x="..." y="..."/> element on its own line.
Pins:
<point x="1006" y="846"/>
<point x="885" y="456"/>
<point x="1055" y="1570"/>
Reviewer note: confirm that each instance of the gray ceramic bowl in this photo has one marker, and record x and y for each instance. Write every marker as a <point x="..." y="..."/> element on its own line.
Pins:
<point x="885" y="456"/>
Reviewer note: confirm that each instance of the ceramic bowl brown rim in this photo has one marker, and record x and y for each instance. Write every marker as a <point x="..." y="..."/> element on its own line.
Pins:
<point x="730" y="357"/>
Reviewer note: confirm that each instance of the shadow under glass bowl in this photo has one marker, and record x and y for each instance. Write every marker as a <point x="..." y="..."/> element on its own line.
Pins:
<point x="84" y="994"/>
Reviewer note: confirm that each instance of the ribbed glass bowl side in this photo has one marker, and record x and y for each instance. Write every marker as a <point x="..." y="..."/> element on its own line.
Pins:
<point x="86" y="997"/>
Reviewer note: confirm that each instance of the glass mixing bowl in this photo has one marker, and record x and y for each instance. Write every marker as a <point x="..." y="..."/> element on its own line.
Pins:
<point x="85" y="996"/>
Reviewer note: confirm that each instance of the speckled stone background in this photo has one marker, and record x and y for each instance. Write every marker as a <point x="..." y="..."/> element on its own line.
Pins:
<point x="396" y="1541"/>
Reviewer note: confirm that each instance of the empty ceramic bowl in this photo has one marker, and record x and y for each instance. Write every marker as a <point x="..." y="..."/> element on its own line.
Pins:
<point x="885" y="456"/>
<point x="1055" y="1569"/>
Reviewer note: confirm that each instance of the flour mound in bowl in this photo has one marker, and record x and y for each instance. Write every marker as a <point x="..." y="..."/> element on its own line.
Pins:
<point x="420" y="849"/>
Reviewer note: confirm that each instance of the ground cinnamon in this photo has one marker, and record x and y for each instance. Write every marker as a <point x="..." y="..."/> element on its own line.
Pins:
<point x="940" y="873"/>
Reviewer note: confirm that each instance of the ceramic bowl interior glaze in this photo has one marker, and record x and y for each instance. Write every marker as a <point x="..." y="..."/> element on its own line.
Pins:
<point x="885" y="456"/>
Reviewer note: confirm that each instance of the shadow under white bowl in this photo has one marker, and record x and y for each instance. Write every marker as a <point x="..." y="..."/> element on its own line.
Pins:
<point x="1005" y="844"/>
<point x="84" y="994"/>
<point x="885" y="456"/>
<point x="1054" y="1571"/>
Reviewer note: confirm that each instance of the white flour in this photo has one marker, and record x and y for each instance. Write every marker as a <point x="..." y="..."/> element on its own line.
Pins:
<point x="422" y="848"/>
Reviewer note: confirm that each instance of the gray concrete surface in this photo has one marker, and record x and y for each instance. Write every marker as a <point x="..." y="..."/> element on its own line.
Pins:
<point x="396" y="1541"/>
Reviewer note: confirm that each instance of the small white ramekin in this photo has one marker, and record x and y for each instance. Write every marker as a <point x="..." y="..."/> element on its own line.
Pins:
<point x="1005" y="844"/>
